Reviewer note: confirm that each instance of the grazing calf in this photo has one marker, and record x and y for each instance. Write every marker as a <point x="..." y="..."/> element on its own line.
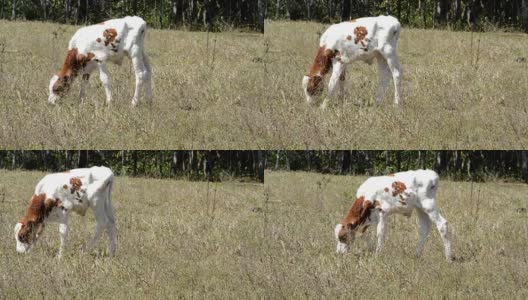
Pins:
<point x="57" y="195"/>
<point x="379" y="197"/>
<point x="363" y="39"/>
<point x="93" y="46"/>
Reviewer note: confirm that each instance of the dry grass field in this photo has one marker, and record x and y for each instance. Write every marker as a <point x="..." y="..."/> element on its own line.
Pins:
<point x="207" y="88"/>
<point x="458" y="93"/>
<point x="243" y="241"/>
<point x="489" y="232"/>
<point x="237" y="90"/>
<point x="176" y="239"/>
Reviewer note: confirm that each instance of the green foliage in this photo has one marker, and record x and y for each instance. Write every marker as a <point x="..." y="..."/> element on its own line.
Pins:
<point x="457" y="165"/>
<point x="456" y="14"/>
<point x="189" y="14"/>
<point x="191" y="165"/>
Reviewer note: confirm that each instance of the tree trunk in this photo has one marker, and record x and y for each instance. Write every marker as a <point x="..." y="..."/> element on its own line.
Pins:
<point x="441" y="162"/>
<point x="261" y="7"/>
<point x="345" y="16"/>
<point x="260" y="166"/>
<point x="524" y="165"/>
<point x="277" y="159"/>
<point x="308" y="4"/>
<point x="83" y="159"/>
<point x="123" y="8"/>
<point x="387" y="7"/>
<point x="524" y="15"/>
<point x="134" y="6"/>
<point x="13" y="13"/>
<point x="13" y="160"/>
<point x="123" y="162"/>
<point x="441" y="9"/>
<point x="387" y="161"/>
<point x="398" y="10"/>
<point x="134" y="162"/>
<point x="345" y="166"/>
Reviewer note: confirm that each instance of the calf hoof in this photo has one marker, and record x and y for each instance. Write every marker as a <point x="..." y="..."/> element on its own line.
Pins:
<point x="324" y="106"/>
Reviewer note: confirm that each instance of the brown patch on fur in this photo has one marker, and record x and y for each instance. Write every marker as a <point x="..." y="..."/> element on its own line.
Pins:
<point x="360" y="32"/>
<point x="342" y="77"/>
<point x="76" y="184"/>
<point x="67" y="171"/>
<point x="391" y="175"/>
<point x="349" y="37"/>
<point x="109" y="35"/>
<point x="357" y="215"/>
<point x="73" y="63"/>
<point x="33" y="222"/>
<point x="65" y="186"/>
<point x="83" y="60"/>
<point x="320" y="67"/>
<point x="398" y="188"/>
<point x="386" y="190"/>
<point x="98" y="40"/>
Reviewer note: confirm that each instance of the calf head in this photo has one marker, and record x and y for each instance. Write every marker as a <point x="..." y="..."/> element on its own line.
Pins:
<point x="61" y="83"/>
<point x="313" y="82"/>
<point x="29" y="228"/>
<point x="356" y="220"/>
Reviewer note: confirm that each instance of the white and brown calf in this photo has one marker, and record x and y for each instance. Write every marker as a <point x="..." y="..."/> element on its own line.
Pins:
<point x="58" y="195"/>
<point x="92" y="47"/>
<point x="363" y="39"/>
<point x="402" y="193"/>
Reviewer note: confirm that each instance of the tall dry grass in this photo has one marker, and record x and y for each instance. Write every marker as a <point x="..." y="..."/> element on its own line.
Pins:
<point x="175" y="239"/>
<point x="206" y="90"/>
<point x="231" y="240"/>
<point x="460" y="91"/>
<point x="234" y="90"/>
<point x="488" y="228"/>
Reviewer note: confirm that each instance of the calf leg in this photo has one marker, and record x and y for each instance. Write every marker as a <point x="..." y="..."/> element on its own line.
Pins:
<point x="136" y="56"/>
<point x="381" y="232"/>
<point x="102" y="221"/>
<point x="84" y="84"/>
<point x="425" y="225"/>
<point x="337" y="69"/>
<point x="148" y="78"/>
<point x="384" y="75"/>
<point x="395" y="68"/>
<point x="63" y="231"/>
<point x="342" y="79"/>
<point x="103" y="75"/>
<point x="441" y="225"/>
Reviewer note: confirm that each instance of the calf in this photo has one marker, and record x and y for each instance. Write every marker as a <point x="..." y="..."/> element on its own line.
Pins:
<point x="58" y="195"/>
<point x="363" y="39"/>
<point x="93" y="46"/>
<point x="379" y="197"/>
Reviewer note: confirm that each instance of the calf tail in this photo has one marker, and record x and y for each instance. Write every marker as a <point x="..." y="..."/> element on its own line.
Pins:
<point x="109" y="209"/>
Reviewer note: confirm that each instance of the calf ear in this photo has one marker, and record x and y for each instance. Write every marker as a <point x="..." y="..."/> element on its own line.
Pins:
<point x="50" y="203"/>
<point x="367" y="206"/>
<point x="82" y="59"/>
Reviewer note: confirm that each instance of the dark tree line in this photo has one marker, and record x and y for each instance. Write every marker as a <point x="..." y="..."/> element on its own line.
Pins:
<point x="474" y="14"/>
<point x="457" y="165"/>
<point x="192" y="165"/>
<point x="191" y="14"/>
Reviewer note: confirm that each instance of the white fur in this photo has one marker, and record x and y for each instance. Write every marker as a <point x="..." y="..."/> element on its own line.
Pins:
<point x="419" y="196"/>
<point x="95" y="193"/>
<point x="131" y="34"/>
<point x="380" y="42"/>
